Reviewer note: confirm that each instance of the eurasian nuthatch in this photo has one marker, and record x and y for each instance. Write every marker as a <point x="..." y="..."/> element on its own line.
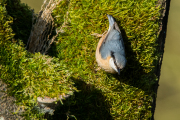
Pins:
<point x="110" y="52"/>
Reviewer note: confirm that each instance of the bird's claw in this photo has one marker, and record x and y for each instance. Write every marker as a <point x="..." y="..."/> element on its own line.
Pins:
<point x="99" y="35"/>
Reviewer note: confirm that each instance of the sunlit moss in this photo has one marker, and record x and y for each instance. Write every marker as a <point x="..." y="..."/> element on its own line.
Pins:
<point x="27" y="75"/>
<point x="130" y="94"/>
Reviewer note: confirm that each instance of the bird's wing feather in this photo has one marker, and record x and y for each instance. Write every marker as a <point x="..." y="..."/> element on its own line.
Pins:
<point x="113" y="42"/>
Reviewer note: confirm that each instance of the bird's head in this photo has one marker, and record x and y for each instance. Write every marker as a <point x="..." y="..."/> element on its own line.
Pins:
<point x="117" y="61"/>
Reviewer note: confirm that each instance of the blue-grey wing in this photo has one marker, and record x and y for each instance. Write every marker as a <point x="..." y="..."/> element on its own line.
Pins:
<point x="112" y="43"/>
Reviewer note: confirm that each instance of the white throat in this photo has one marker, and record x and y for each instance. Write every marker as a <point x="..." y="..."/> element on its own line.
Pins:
<point x="111" y="63"/>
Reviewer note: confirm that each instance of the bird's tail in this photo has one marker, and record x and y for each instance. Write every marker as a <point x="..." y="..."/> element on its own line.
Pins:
<point x="111" y="21"/>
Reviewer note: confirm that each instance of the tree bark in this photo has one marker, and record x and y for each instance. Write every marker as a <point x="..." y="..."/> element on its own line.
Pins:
<point x="165" y="5"/>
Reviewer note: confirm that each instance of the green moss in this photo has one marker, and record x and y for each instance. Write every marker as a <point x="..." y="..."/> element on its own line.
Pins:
<point x="129" y="95"/>
<point x="22" y="19"/>
<point x="29" y="76"/>
<point x="101" y="95"/>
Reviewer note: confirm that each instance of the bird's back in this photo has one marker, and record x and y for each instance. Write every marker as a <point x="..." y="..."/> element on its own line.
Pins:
<point x="113" y="42"/>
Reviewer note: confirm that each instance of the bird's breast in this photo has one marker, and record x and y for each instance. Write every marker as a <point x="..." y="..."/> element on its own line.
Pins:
<point x="103" y="63"/>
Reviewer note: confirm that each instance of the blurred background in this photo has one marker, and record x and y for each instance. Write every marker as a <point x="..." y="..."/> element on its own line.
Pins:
<point x="34" y="4"/>
<point x="168" y="97"/>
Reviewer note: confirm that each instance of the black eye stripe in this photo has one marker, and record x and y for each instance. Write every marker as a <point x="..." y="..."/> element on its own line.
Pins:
<point x="112" y="55"/>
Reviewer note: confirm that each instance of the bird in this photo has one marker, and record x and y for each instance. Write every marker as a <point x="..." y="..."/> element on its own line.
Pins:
<point x="110" y="51"/>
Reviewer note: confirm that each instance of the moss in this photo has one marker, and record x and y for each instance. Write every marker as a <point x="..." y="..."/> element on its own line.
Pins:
<point x="27" y="75"/>
<point x="101" y="95"/>
<point x="129" y="95"/>
<point x="22" y="18"/>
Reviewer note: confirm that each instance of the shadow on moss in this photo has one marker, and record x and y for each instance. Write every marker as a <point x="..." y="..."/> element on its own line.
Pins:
<point x="53" y="50"/>
<point x="133" y="74"/>
<point x="87" y="104"/>
<point x="22" y="19"/>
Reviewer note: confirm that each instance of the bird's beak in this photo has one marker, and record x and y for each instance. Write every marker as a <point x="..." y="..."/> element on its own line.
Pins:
<point x="119" y="71"/>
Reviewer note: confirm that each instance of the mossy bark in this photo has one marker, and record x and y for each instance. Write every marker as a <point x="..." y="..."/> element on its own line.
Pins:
<point x="161" y="41"/>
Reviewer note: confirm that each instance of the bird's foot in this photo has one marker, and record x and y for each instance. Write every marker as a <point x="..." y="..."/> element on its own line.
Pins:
<point x="98" y="68"/>
<point x="99" y="35"/>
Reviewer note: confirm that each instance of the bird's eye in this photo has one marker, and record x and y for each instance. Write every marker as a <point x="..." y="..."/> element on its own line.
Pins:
<point x="112" y="54"/>
<point x="114" y="61"/>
